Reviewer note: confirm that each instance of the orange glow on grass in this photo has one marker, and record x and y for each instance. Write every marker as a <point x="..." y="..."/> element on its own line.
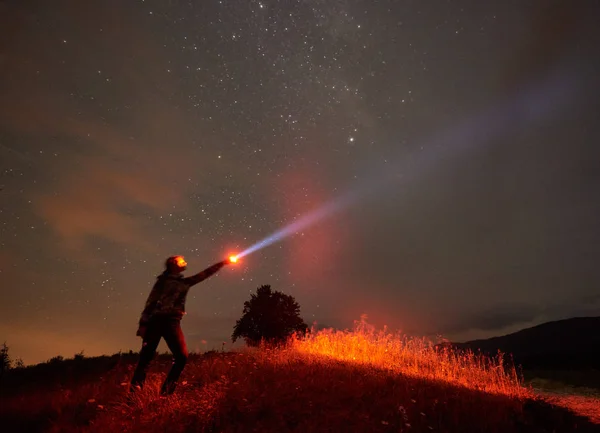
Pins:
<point x="411" y="357"/>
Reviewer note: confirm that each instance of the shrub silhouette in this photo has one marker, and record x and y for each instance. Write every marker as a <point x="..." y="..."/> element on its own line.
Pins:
<point x="270" y="317"/>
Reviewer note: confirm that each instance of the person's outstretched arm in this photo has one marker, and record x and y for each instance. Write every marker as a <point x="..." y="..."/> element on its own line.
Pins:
<point x="208" y="272"/>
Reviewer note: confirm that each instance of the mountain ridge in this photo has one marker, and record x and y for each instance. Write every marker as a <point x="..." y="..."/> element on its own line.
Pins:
<point x="572" y="343"/>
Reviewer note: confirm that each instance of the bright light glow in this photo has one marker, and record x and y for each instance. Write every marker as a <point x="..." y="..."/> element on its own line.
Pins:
<point x="233" y="259"/>
<point x="180" y="261"/>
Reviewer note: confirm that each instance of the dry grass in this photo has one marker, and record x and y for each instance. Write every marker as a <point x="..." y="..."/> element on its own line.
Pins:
<point x="415" y="357"/>
<point x="360" y="381"/>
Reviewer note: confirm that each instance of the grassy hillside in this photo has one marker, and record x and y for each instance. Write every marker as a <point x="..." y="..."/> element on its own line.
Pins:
<point x="360" y="381"/>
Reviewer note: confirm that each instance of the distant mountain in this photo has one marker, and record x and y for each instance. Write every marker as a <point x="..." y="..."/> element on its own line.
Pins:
<point x="563" y="344"/>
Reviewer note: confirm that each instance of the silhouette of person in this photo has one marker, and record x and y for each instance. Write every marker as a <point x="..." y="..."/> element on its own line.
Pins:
<point x="161" y="318"/>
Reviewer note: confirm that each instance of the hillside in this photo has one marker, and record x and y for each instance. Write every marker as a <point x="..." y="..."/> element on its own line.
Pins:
<point x="358" y="381"/>
<point x="569" y="344"/>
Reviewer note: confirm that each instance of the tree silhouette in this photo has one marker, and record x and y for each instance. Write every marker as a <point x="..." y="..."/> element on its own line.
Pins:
<point x="268" y="316"/>
<point x="5" y="361"/>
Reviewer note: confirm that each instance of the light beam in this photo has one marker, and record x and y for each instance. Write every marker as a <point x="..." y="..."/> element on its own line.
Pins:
<point x="536" y="104"/>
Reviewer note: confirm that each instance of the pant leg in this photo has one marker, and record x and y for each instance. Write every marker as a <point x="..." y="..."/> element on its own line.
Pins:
<point x="175" y="340"/>
<point x="147" y="353"/>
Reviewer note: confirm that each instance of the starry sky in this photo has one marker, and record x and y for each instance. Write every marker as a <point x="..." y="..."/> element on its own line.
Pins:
<point x="131" y="131"/>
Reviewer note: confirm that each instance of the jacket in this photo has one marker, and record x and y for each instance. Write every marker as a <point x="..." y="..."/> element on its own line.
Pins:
<point x="168" y="295"/>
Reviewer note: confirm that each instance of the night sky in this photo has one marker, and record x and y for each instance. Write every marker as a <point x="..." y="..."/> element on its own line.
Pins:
<point x="131" y="131"/>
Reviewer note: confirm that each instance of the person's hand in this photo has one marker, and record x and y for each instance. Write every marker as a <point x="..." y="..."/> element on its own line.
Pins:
<point x="141" y="332"/>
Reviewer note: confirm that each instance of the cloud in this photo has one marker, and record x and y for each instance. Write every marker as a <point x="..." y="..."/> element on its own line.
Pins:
<point x="91" y="209"/>
<point x="107" y="192"/>
<point x="104" y="193"/>
<point x="506" y="318"/>
<point x="498" y="317"/>
<point x="124" y="148"/>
